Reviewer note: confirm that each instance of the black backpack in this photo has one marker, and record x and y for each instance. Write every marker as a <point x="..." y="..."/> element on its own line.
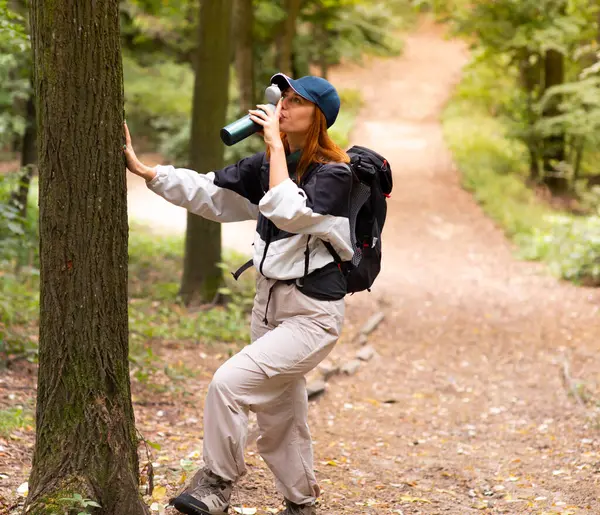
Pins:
<point x="372" y="185"/>
<point x="368" y="208"/>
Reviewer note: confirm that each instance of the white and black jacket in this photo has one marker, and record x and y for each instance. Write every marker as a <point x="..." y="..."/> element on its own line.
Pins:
<point x="293" y="220"/>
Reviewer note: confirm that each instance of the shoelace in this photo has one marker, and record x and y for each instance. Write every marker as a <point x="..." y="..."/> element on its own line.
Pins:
<point x="205" y="487"/>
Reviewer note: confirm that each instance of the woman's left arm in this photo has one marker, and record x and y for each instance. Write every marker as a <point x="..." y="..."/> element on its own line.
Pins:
<point x="278" y="170"/>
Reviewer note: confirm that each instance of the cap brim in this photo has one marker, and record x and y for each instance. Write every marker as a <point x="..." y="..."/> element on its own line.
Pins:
<point x="284" y="82"/>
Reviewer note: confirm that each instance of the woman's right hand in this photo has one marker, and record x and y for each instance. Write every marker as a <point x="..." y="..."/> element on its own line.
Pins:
<point x="134" y="165"/>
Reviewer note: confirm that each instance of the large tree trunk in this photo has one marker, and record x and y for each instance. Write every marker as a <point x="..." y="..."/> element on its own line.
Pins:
<point x="201" y="273"/>
<point x="244" y="58"/>
<point x="86" y="441"/>
<point x="286" y="35"/>
<point x="554" y="146"/>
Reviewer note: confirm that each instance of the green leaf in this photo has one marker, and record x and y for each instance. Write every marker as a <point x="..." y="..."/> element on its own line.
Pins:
<point x="154" y="445"/>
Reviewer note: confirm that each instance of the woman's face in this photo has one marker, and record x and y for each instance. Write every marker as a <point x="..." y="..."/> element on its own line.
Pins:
<point x="297" y="113"/>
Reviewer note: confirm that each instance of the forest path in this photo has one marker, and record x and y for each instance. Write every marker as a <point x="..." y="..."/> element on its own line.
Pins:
<point x="466" y="407"/>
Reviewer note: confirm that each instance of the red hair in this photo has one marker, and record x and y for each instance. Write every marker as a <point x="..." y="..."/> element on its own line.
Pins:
<point x="318" y="148"/>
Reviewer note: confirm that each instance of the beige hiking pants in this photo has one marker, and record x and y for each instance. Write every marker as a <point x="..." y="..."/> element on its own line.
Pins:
<point x="267" y="377"/>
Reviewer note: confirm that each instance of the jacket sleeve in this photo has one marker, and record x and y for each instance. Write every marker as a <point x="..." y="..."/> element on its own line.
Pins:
<point x="228" y="195"/>
<point x="321" y="207"/>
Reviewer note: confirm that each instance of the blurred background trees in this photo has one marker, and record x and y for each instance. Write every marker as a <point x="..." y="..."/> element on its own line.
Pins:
<point x="164" y="56"/>
<point x="187" y="71"/>
<point x="523" y="125"/>
<point x="534" y="72"/>
<point x="546" y="52"/>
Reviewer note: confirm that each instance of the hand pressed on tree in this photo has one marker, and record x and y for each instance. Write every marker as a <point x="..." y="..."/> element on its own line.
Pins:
<point x="134" y="165"/>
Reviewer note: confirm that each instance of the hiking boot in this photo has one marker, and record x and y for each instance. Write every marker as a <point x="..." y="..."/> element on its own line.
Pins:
<point x="298" y="509"/>
<point x="207" y="494"/>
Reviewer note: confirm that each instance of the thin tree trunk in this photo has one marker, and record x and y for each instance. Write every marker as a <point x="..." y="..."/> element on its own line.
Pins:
<point x="201" y="273"/>
<point x="598" y="24"/>
<point x="286" y="35"/>
<point x="579" y="147"/>
<point x="28" y="159"/>
<point x="530" y="78"/>
<point x="86" y="441"/>
<point x="554" y="146"/>
<point x="244" y="58"/>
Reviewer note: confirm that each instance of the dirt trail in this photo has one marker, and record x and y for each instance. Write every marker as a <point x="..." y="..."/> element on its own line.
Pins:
<point x="476" y="345"/>
<point x="465" y="408"/>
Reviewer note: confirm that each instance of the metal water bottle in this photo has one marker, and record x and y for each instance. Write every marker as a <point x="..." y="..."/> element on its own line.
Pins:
<point x="244" y="127"/>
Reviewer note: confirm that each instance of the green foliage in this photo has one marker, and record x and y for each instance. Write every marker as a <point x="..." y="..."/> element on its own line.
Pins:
<point x="571" y="247"/>
<point x="158" y="98"/>
<point x="14" y="419"/>
<point x="578" y="116"/>
<point x="19" y="310"/>
<point x="77" y="502"/>
<point x="515" y="26"/>
<point x="155" y="312"/>
<point x="517" y="36"/>
<point x="14" y="76"/>
<point x="18" y="246"/>
<point x="19" y="273"/>
<point x="352" y="29"/>
<point x="328" y="31"/>
<point x="157" y="28"/>
<point x="493" y="166"/>
<point x="340" y="131"/>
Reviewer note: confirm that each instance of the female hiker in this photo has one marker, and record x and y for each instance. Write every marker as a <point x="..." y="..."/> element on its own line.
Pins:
<point x="298" y="191"/>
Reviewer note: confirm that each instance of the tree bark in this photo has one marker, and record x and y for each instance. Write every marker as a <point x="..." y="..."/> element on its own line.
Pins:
<point x="201" y="273"/>
<point x="286" y="35"/>
<point x="244" y="58"/>
<point x="86" y="441"/>
<point x="554" y="146"/>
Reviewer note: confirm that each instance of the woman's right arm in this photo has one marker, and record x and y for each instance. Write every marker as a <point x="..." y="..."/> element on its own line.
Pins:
<point x="134" y="165"/>
<point x="228" y="195"/>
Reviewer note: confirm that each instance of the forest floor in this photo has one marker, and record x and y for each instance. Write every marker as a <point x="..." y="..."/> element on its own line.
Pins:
<point x="482" y="395"/>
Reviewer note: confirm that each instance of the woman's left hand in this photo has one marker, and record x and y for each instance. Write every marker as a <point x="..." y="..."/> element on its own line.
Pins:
<point x="270" y="123"/>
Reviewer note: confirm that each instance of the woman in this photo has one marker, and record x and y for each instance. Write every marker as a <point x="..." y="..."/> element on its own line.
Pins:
<point x="298" y="191"/>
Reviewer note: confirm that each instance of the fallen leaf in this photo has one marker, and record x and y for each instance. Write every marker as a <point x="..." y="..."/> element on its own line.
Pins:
<point x="23" y="490"/>
<point x="245" y="511"/>
<point x="408" y="498"/>
<point x="159" y="493"/>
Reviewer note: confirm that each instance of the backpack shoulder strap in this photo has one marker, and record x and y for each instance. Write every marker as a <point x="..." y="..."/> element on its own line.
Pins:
<point x="334" y="254"/>
<point x="242" y="269"/>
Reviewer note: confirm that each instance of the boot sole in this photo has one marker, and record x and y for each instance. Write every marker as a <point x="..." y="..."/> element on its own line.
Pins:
<point x="185" y="507"/>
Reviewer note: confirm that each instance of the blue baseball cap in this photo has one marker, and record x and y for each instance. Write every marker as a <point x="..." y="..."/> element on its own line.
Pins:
<point x="315" y="89"/>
